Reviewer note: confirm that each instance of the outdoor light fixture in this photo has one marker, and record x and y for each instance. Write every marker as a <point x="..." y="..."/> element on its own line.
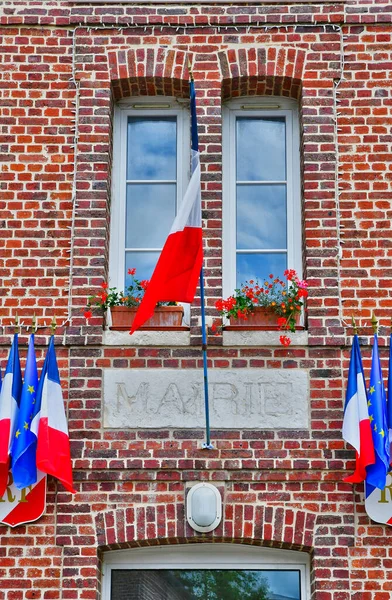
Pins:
<point x="204" y="507"/>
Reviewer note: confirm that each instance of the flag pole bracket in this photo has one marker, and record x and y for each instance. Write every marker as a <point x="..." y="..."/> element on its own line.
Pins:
<point x="355" y="328"/>
<point x="206" y="446"/>
<point x="374" y="324"/>
<point x="53" y="325"/>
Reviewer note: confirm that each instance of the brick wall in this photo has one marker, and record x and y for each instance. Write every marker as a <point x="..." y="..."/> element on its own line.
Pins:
<point x="62" y="68"/>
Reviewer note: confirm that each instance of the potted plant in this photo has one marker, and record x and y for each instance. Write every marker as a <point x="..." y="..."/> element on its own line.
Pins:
<point x="274" y="303"/>
<point x="124" y="305"/>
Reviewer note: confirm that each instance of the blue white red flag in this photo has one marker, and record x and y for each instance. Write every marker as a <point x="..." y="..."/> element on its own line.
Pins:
<point x="377" y="473"/>
<point x="9" y="408"/>
<point x="356" y="422"/>
<point x="389" y="401"/>
<point x="178" y="268"/>
<point x="50" y="424"/>
<point x="24" y="443"/>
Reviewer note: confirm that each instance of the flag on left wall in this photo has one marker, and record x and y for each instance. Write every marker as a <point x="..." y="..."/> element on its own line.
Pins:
<point x="50" y="424"/>
<point x="356" y="422"/>
<point x="35" y="446"/>
<point x="24" y="441"/>
<point x="9" y="408"/>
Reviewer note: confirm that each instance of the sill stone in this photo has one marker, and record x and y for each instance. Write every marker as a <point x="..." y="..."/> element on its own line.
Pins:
<point x="247" y="337"/>
<point x="146" y="338"/>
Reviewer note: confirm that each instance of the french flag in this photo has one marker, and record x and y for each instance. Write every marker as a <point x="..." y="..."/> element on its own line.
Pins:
<point x="9" y="408"/>
<point x="356" y="424"/>
<point x="50" y="424"/>
<point x="178" y="268"/>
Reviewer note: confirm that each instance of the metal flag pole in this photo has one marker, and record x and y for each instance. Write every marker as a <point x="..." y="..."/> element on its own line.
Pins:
<point x="195" y="147"/>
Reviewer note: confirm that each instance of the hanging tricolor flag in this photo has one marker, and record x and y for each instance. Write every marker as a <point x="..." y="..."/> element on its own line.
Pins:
<point x="50" y="424"/>
<point x="9" y="408"/>
<point x="177" y="271"/>
<point x="24" y="443"/>
<point x="377" y="473"/>
<point x="356" y="422"/>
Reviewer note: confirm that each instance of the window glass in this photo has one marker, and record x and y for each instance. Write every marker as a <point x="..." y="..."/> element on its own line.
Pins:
<point x="151" y="190"/>
<point x="261" y="216"/>
<point x="205" y="585"/>
<point x="151" y="148"/>
<point x="250" y="266"/>
<point x="261" y="149"/>
<point x="150" y="213"/>
<point x="261" y="197"/>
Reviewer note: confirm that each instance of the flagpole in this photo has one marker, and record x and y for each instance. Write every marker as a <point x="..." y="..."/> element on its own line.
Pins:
<point x="195" y="146"/>
<point x="207" y="445"/>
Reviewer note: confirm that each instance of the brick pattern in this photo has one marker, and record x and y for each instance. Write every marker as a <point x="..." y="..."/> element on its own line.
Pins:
<point x="280" y="488"/>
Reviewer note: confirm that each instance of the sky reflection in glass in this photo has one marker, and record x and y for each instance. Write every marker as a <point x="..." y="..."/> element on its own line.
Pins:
<point x="261" y="149"/>
<point x="259" y="266"/>
<point x="151" y="148"/>
<point x="143" y="262"/>
<point x="150" y="213"/>
<point x="261" y="216"/>
<point x="206" y="584"/>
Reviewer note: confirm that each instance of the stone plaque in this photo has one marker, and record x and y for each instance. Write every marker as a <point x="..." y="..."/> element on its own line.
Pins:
<point x="239" y="398"/>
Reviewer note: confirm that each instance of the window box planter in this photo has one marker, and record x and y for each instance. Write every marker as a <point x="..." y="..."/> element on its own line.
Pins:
<point x="264" y="319"/>
<point x="164" y="317"/>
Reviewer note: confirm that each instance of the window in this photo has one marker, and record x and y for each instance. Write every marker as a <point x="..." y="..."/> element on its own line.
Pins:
<point x="199" y="571"/>
<point x="151" y="148"/>
<point x="261" y="205"/>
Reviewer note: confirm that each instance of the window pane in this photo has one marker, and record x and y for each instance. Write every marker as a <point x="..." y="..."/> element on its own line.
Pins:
<point x="150" y="213"/>
<point x="152" y="148"/>
<point x="205" y="585"/>
<point x="261" y="217"/>
<point x="261" y="149"/>
<point x="143" y="262"/>
<point x="259" y="266"/>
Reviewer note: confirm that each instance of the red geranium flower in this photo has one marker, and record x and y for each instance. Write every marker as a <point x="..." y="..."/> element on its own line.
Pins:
<point x="88" y="314"/>
<point x="285" y="340"/>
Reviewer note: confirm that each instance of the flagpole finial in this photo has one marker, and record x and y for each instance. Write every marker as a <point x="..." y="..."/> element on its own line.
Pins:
<point x="53" y="325"/>
<point x="34" y="324"/>
<point x="355" y="328"/>
<point x="190" y="69"/>
<point x="374" y="323"/>
<point x="16" y="325"/>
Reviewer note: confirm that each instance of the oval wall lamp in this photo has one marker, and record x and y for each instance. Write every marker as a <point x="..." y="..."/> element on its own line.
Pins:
<point x="204" y="507"/>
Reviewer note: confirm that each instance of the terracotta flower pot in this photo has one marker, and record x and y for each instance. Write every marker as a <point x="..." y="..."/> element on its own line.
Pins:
<point x="261" y="318"/>
<point x="164" y="317"/>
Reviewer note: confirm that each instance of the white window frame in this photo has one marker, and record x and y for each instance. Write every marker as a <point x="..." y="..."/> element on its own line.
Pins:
<point x="206" y="556"/>
<point x="267" y="106"/>
<point x="141" y="106"/>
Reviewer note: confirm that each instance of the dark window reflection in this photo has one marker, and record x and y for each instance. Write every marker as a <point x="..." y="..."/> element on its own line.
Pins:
<point x="205" y="585"/>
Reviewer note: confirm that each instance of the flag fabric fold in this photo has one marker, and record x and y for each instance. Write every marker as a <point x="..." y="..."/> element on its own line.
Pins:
<point x="356" y="421"/>
<point x="24" y="442"/>
<point x="176" y="274"/>
<point x="9" y="408"/>
<point x="389" y="400"/>
<point x="377" y="473"/>
<point x="50" y="424"/>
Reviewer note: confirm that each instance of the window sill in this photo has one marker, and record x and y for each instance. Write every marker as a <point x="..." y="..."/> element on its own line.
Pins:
<point x="261" y="337"/>
<point x="157" y="337"/>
